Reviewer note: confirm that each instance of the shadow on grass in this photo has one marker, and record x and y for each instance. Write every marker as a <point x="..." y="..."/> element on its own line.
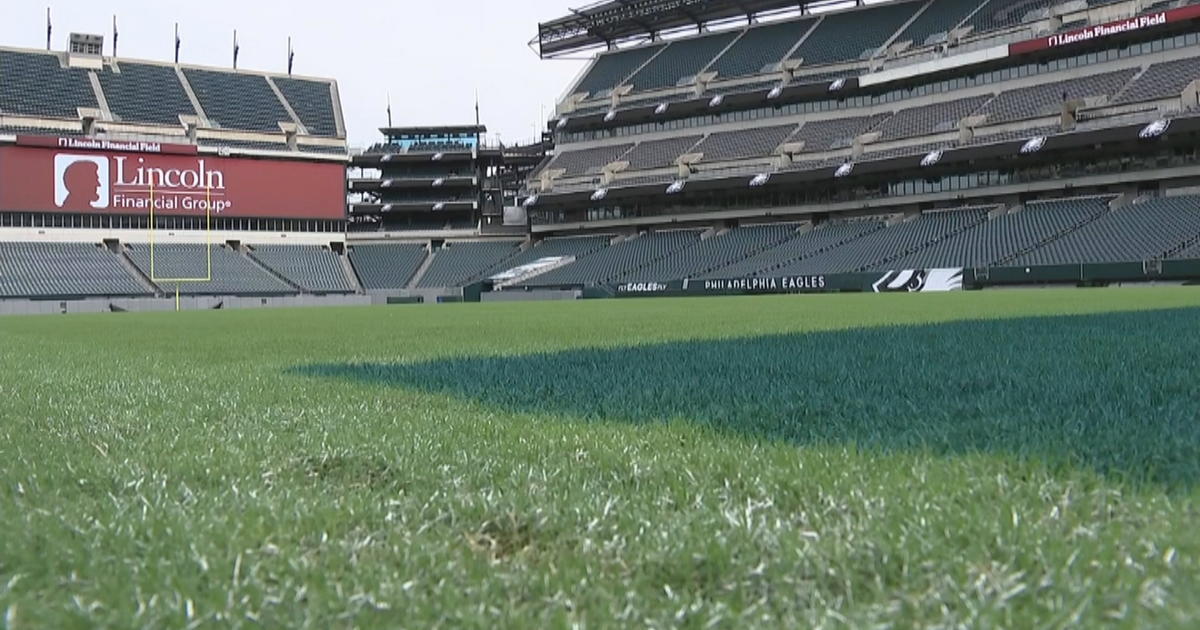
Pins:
<point x="1119" y="393"/>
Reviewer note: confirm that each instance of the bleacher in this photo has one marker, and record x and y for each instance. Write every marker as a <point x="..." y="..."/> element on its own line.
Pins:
<point x="681" y="60"/>
<point x="387" y="266"/>
<point x="313" y="268"/>
<point x="1134" y="233"/>
<point x="712" y="253"/>
<point x="803" y="244"/>
<point x="1001" y="14"/>
<point x="930" y="119"/>
<point x="313" y="103"/>
<point x="610" y="70"/>
<point x="739" y="145"/>
<point x="145" y="93"/>
<point x="232" y="272"/>
<point x="62" y="270"/>
<point x="659" y="153"/>
<point x="838" y="133"/>
<point x="1047" y="99"/>
<point x="618" y="260"/>
<point x="37" y="84"/>
<point x="851" y="35"/>
<point x="761" y="48"/>
<point x="1162" y="80"/>
<point x="1007" y="235"/>
<point x="237" y="101"/>
<point x="458" y="264"/>
<point x="574" y="246"/>
<point x="936" y="21"/>
<point x="877" y="248"/>
<point x="588" y="161"/>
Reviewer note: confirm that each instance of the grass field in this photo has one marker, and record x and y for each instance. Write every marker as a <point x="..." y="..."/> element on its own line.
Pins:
<point x="998" y="459"/>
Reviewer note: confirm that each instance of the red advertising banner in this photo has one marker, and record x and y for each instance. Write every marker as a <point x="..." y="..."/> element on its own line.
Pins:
<point x="1088" y="33"/>
<point x="107" y="182"/>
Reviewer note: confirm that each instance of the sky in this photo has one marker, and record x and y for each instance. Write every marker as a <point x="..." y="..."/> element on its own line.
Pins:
<point x="432" y="56"/>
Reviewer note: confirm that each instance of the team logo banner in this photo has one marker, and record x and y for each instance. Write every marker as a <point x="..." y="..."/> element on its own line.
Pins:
<point x="920" y="281"/>
<point x="128" y="183"/>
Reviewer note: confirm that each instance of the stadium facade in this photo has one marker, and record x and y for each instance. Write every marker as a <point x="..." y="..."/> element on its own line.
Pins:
<point x="710" y="147"/>
<point x="1014" y="141"/>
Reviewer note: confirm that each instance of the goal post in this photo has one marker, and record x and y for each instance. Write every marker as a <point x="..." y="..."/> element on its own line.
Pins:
<point x="154" y="277"/>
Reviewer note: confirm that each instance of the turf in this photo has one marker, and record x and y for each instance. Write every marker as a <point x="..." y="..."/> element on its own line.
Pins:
<point x="1008" y="459"/>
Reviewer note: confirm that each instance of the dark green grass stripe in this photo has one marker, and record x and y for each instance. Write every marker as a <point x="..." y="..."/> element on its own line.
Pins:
<point x="1119" y="393"/>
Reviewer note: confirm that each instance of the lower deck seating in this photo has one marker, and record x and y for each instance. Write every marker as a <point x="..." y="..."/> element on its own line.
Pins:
<point x="232" y="273"/>
<point x="459" y="264"/>
<point x="38" y="270"/>
<point x="881" y="246"/>
<point x="387" y="265"/>
<point x="1134" y="233"/>
<point x="801" y="245"/>
<point x="576" y="246"/>
<point x="712" y="253"/>
<point x="313" y="268"/>
<point x="615" y="261"/>
<point x="1006" y="236"/>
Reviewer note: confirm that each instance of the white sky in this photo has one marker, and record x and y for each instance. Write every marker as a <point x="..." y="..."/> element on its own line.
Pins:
<point x="431" y="55"/>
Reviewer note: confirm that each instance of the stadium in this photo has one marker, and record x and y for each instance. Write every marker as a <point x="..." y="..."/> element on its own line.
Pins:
<point x="793" y="314"/>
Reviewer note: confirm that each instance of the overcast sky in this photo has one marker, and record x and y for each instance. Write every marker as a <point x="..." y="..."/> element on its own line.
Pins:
<point x="431" y="55"/>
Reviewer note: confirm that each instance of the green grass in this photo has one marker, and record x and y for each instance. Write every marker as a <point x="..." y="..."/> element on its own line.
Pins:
<point x="998" y="459"/>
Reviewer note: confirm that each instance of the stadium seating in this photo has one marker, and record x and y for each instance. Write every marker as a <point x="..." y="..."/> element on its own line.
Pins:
<point x="801" y="245"/>
<point x="933" y="24"/>
<point x="313" y="103"/>
<point x="1133" y="233"/>
<point x="237" y="101"/>
<point x="929" y="119"/>
<point x="1162" y="80"/>
<point x="145" y="93"/>
<point x="852" y="35"/>
<point x="1047" y="99"/>
<point x="916" y="149"/>
<point x="459" y="264"/>
<point x="232" y="272"/>
<point x="1191" y="252"/>
<point x="717" y="251"/>
<point x="36" y="84"/>
<point x="1001" y="14"/>
<point x="617" y="260"/>
<point x="681" y="60"/>
<point x="576" y="246"/>
<point x="312" y="268"/>
<point x="588" y="161"/>
<point x="1005" y="236"/>
<point x="659" y="153"/>
<point x="839" y="133"/>
<point x="760" y="48"/>
<point x="881" y="246"/>
<point x="744" y="144"/>
<point x="61" y="270"/>
<point x="387" y="266"/>
<point x="611" y="69"/>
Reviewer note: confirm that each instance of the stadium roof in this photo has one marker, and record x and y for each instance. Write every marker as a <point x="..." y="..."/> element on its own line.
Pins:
<point x="433" y="130"/>
<point x="610" y="21"/>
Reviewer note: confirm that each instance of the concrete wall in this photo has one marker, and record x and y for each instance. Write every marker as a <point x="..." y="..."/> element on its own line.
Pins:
<point x="104" y="305"/>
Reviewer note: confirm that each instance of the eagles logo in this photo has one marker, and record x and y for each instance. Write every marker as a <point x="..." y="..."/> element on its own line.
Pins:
<point x="920" y="281"/>
<point x="1154" y="129"/>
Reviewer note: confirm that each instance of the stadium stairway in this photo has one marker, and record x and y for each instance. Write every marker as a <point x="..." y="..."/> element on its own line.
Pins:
<point x="134" y="271"/>
<point x="351" y="275"/>
<point x="245" y="253"/>
<point x="422" y="270"/>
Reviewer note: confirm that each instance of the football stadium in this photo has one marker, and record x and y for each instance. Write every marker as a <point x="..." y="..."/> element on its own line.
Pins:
<point x="814" y="314"/>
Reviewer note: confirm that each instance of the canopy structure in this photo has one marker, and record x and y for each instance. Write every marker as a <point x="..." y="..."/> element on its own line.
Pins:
<point x="610" y="22"/>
